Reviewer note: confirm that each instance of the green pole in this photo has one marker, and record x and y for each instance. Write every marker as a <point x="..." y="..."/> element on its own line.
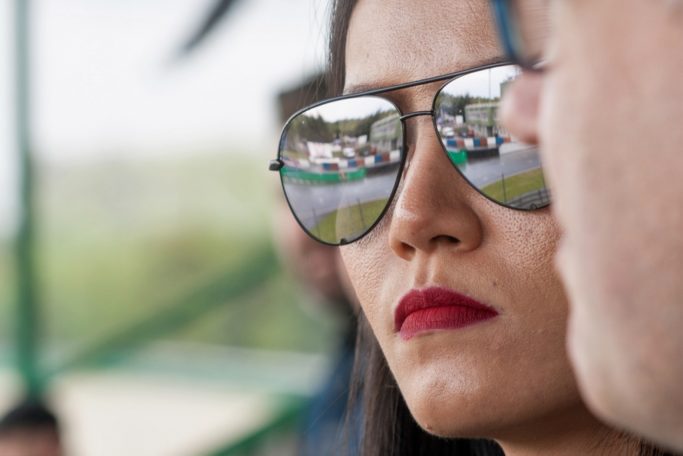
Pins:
<point x="27" y="310"/>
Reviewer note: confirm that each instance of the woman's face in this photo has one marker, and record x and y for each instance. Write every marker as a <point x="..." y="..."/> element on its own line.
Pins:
<point x="489" y="376"/>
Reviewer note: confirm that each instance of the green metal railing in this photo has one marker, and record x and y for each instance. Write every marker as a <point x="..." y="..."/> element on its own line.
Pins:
<point x="212" y="295"/>
<point x="27" y="311"/>
<point x="183" y="311"/>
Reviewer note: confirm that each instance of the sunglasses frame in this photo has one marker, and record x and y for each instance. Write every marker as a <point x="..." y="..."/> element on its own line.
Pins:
<point x="508" y="33"/>
<point x="278" y="164"/>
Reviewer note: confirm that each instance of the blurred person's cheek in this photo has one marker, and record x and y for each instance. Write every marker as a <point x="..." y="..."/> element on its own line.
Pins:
<point x="311" y="263"/>
<point x="519" y="110"/>
<point x="346" y="284"/>
<point x="611" y="139"/>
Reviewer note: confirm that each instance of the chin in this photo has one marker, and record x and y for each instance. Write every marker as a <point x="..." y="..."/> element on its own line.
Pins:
<point x="451" y="419"/>
<point x="474" y="398"/>
<point x="448" y="405"/>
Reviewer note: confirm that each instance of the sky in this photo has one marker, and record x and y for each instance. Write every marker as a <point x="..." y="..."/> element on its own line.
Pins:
<point x="106" y="82"/>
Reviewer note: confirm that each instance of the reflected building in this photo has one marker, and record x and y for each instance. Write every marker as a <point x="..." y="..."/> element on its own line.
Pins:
<point x="385" y="133"/>
<point x="482" y="118"/>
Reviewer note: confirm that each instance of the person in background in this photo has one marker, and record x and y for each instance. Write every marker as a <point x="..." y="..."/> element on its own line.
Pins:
<point x="603" y="96"/>
<point x="318" y="268"/>
<point x="30" y="429"/>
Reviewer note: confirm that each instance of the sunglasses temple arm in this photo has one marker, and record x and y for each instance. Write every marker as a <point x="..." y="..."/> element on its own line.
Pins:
<point x="275" y="165"/>
<point x="501" y="13"/>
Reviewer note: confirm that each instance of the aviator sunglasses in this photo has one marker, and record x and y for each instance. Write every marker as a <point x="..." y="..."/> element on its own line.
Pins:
<point x="341" y="160"/>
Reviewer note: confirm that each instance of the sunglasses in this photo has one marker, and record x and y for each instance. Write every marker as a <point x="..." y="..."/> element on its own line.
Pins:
<point x="341" y="160"/>
<point x="524" y="28"/>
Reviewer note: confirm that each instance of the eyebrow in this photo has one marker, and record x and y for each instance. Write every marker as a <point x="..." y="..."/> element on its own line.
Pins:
<point x="371" y="88"/>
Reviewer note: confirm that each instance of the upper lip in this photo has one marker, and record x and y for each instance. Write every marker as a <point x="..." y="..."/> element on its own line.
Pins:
<point x="425" y="298"/>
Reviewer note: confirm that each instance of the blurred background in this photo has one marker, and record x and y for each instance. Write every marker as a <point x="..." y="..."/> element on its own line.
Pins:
<point x="143" y="304"/>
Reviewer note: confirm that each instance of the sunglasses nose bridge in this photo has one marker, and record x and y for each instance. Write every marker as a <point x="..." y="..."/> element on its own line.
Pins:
<point x="405" y="117"/>
<point x="411" y="134"/>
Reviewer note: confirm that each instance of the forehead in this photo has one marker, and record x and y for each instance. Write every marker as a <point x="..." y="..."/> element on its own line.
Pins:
<point x="394" y="41"/>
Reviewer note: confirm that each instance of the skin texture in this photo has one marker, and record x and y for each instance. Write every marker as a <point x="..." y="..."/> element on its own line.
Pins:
<point x="507" y="378"/>
<point x="608" y="114"/>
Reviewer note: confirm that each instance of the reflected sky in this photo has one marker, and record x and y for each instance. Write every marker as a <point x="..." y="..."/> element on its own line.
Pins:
<point x="481" y="83"/>
<point x="351" y="109"/>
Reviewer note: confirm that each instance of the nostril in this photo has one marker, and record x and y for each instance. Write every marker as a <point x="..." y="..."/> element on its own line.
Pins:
<point x="405" y="251"/>
<point x="446" y="239"/>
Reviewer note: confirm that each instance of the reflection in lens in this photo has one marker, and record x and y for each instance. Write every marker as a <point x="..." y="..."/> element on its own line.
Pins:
<point x="341" y="163"/>
<point x="495" y="163"/>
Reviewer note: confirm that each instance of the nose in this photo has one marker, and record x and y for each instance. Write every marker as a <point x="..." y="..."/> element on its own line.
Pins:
<point x="519" y="111"/>
<point x="433" y="208"/>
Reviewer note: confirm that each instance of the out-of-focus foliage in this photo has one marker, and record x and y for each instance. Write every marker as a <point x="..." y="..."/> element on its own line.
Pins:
<point x="120" y="239"/>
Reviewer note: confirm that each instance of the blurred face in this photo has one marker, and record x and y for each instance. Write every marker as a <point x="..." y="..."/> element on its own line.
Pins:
<point x="315" y="266"/>
<point x="500" y="360"/>
<point x="34" y="441"/>
<point x="608" y="113"/>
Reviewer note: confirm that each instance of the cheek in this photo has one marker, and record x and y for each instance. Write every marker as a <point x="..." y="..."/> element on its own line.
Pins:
<point x="525" y="244"/>
<point x="567" y="109"/>
<point x="561" y="145"/>
<point x="367" y="263"/>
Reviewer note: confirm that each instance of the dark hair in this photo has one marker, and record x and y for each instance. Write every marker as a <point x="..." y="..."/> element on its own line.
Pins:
<point x="376" y="407"/>
<point x="336" y="55"/>
<point x="30" y="414"/>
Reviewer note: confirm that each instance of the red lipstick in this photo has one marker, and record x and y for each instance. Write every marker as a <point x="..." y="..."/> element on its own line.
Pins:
<point x="437" y="308"/>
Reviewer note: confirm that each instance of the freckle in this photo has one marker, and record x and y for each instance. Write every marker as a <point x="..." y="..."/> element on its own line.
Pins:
<point x="495" y="284"/>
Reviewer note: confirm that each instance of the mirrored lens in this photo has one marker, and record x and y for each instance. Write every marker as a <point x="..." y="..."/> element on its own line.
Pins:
<point x="494" y="162"/>
<point x="341" y="165"/>
<point x="531" y="28"/>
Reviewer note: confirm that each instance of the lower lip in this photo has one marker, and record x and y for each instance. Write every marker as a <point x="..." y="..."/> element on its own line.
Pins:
<point x="442" y="317"/>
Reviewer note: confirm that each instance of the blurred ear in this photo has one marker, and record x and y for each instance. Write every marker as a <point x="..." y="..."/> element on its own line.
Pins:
<point x="519" y="110"/>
